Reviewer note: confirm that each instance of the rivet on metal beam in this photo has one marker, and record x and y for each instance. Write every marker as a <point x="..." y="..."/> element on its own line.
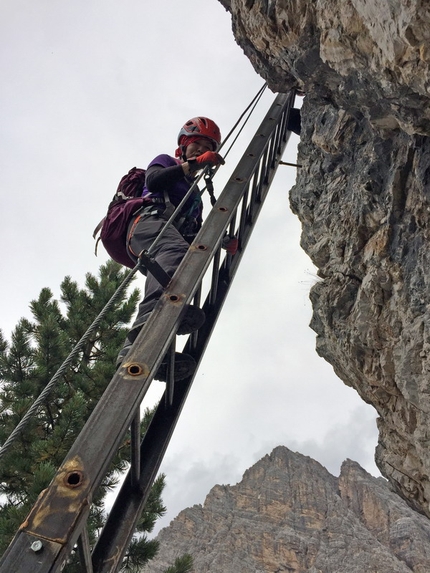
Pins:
<point x="36" y="546"/>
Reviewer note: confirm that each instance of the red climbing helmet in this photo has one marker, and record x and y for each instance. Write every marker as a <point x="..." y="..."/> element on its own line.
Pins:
<point x="204" y="127"/>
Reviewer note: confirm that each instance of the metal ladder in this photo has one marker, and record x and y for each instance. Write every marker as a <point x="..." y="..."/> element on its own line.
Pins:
<point x="57" y="522"/>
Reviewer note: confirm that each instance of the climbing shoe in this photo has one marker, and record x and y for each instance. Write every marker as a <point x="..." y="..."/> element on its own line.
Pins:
<point x="194" y="318"/>
<point x="185" y="366"/>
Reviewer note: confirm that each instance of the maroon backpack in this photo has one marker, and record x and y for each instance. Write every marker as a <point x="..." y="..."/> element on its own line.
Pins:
<point x="113" y="228"/>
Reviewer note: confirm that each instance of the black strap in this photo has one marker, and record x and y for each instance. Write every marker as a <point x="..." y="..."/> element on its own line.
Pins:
<point x="170" y="209"/>
<point x="210" y="186"/>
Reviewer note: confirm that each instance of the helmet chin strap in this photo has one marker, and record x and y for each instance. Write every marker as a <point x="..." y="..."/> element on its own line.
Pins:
<point x="183" y="149"/>
<point x="180" y="152"/>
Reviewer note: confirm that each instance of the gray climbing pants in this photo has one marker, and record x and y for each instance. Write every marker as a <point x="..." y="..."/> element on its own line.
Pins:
<point x="168" y="253"/>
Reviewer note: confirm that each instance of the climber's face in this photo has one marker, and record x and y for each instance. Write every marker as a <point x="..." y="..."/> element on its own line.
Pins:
<point x="198" y="148"/>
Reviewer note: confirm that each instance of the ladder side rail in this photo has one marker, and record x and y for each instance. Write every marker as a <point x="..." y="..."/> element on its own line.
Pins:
<point x="113" y="538"/>
<point x="61" y="512"/>
<point x="170" y="383"/>
<point x="135" y="440"/>
<point x="243" y="212"/>
<point x="85" y="551"/>
<point x="214" y="280"/>
<point x="233" y="232"/>
<point x="197" y="302"/>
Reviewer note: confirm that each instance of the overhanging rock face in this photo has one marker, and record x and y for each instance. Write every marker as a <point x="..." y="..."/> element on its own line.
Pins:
<point x="363" y="198"/>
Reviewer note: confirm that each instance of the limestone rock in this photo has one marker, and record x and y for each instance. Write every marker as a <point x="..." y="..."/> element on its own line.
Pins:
<point x="362" y="195"/>
<point x="289" y="514"/>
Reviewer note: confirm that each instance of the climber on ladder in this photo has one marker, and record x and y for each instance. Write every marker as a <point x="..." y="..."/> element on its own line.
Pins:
<point x="47" y="538"/>
<point x="168" y="180"/>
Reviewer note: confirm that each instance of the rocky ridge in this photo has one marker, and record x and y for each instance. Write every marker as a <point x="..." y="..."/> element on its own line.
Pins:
<point x="290" y="514"/>
<point x="362" y="196"/>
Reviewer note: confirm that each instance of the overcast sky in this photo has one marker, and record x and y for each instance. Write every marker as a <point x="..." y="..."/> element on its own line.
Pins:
<point x="91" y="88"/>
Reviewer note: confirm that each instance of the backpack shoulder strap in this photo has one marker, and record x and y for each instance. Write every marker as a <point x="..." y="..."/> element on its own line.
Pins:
<point x="95" y="233"/>
<point x="97" y="229"/>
